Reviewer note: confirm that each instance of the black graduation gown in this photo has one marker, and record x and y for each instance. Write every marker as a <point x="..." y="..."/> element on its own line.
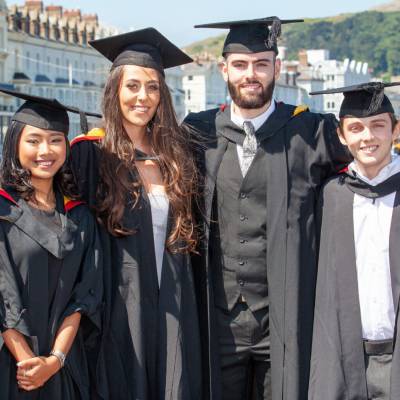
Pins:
<point x="302" y="151"/>
<point x="29" y="249"/>
<point x="151" y="345"/>
<point x="337" y="364"/>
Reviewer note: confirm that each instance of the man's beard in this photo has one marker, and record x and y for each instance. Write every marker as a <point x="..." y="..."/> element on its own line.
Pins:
<point x="251" y="101"/>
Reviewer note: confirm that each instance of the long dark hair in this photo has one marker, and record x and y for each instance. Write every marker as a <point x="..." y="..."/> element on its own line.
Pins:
<point x="15" y="177"/>
<point x="172" y="146"/>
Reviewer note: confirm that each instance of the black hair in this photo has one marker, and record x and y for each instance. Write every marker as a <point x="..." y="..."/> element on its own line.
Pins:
<point x="15" y="177"/>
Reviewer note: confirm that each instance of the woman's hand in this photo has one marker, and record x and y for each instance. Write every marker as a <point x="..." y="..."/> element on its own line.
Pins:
<point x="35" y="372"/>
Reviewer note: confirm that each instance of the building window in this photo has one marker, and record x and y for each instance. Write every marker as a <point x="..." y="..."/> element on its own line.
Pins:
<point x="188" y="94"/>
<point x="28" y="58"/>
<point x="89" y="101"/>
<point x="48" y="64"/>
<point x="37" y="62"/>
<point x="17" y="62"/>
<point x="190" y="77"/>
<point x="333" y="104"/>
<point x="67" y="66"/>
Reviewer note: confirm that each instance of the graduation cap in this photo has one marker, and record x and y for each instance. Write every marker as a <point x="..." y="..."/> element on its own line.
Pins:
<point x="145" y="48"/>
<point x="45" y="113"/>
<point x="363" y="100"/>
<point x="251" y="35"/>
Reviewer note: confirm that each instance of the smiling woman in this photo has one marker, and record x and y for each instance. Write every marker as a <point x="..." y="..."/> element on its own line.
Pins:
<point x="141" y="180"/>
<point x="139" y="95"/>
<point x="50" y="263"/>
<point x="42" y="153"/>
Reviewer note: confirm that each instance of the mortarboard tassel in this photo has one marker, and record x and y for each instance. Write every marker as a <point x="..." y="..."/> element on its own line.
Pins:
<point x="378" y="93"/>
<point x="274" y="32"/>
<point x="84" y="123"/>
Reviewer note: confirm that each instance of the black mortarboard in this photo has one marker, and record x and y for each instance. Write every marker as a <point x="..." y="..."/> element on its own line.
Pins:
<point x="145" y="48"/>
<point x="251" y="36"/>
<point x="363" y="100"/>
<point x="45" y="113"/>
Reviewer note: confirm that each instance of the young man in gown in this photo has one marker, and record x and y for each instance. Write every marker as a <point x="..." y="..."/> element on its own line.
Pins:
<point x="355" y="354"/>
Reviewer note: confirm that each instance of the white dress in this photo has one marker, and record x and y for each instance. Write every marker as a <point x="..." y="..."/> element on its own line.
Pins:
<point x="159" y="213"/>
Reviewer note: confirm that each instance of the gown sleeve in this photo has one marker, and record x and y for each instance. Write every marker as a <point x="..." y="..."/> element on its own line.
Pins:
<point x="331" y="154"/>
<point x="87" y="295"/>
<point x="85" y="166"/>
<point x="12" y="311"/>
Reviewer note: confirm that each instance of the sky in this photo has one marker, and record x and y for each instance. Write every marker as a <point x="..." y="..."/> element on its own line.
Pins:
<point x="175" y="18"/>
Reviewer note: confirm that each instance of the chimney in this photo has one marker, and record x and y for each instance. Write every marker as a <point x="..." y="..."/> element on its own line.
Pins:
<point x="12" y="22"/>
<point x="54" y="11"/>
<point x="64" y="33"/>
<point x="303" y="58"/>
<point x="90" y="18"/>
<point x="72" y="15"/>
<point x="292" y="68"/>
<point x="82" y="37"/>
<point x="34" y="5"/>
<point x="44" y="29"/>
<point x="54" y="32"/>
<point x="73" y="34"/>
<point x="32" y="26"/>
<point x="91" y="34"/>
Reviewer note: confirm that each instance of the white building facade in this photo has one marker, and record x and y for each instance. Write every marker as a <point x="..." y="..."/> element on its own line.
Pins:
<point x="337" y="74"/>
<point x="44" y="51"/>
<point x="204" y="86"/>
<point x="174" y="80"/>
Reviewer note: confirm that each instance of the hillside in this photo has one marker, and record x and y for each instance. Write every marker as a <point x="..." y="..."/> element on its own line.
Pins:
<point x="371" y="36"/>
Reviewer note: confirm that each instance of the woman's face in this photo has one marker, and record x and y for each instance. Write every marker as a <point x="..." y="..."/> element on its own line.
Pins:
<point x="139" y="94"/>
<point x="42" y="152"/>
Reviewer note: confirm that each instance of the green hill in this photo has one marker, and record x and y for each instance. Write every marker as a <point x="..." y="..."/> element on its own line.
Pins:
<point x="370" y="36"/>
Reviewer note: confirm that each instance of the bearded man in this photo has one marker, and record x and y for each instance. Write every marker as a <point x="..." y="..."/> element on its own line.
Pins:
<point x="263" y="164"/>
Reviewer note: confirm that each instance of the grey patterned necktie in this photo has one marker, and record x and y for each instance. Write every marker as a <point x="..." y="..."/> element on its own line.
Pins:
<point x="249" y="146"/>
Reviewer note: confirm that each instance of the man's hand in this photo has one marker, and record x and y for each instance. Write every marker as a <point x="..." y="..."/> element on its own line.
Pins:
<point x="35" y="372"/>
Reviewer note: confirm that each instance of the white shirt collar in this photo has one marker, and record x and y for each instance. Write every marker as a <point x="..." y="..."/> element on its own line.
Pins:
<point x="257" y="121"/>
<point x="385" y="173"/>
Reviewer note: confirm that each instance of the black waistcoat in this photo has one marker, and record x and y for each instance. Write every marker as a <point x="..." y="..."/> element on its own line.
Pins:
<point x="241" y="214"/>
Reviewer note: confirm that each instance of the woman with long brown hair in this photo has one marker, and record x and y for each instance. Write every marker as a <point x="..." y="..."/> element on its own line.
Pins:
<point x="139" y="176"/>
